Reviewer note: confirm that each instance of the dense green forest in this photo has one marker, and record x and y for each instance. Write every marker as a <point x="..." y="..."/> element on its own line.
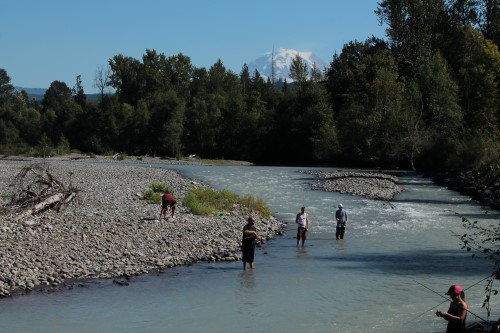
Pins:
<point x="427" y="97"/>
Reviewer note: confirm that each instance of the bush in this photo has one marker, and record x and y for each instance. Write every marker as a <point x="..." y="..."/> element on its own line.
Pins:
<point x="152" y="196"/>
<point x="203" y="201"/>
<point x="159" y="187"/>
<point x="155" y="192"/>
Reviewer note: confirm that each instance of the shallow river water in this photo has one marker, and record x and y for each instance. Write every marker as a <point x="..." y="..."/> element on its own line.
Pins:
<point x="371" y="281"/>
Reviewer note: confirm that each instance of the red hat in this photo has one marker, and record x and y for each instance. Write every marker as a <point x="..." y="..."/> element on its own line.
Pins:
<point x="454" y="289"/>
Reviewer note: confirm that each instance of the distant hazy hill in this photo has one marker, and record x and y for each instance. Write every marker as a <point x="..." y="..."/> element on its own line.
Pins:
<point x="38" y="93"/>
<point x="282" y="60"/>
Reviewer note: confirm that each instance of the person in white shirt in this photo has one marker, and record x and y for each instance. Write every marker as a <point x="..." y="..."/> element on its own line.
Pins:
<point x="302" y="220"/>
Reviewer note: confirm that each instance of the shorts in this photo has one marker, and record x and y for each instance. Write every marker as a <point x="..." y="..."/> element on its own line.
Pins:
<point x="301" y="233"/>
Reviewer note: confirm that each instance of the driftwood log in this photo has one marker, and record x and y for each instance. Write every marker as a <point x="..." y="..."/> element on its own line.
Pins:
<point x="37" y="190"/>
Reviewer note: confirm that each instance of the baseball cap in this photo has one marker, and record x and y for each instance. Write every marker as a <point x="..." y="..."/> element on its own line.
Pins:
<point x="340" y="206"/>
<point x="454" y="289"/>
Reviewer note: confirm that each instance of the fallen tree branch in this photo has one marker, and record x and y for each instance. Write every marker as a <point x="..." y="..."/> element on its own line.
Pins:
<point x="38" y="190"/>
<point x="65" y="202"/>
<point x="41" y="206"/>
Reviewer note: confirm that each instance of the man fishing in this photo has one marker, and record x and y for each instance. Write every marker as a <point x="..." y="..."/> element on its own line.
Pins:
<point x="342" y="218"/>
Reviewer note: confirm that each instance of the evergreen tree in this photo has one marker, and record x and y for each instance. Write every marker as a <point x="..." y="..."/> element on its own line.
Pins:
<point x="246" y="82"/>
<point x="298" y="70"/>
<point x="6" y="87"/>
<point x="78" y="93"/>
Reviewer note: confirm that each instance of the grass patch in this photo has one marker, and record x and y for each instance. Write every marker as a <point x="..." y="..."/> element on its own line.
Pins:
<point x="203" y="201"/>
<point x="154" y="193"/>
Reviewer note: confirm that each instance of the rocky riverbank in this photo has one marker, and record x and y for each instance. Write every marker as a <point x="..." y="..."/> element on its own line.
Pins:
<point x="109" y="231"/>
<point x="482" y="184"/>
<point x="371" y="185"/>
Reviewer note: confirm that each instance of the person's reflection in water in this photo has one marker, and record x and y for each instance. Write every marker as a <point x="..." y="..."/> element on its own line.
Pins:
<point x="247" y="304"/>
<point x="247" y="281"/>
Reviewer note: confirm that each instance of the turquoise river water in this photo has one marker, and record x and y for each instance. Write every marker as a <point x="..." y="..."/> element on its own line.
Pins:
<point x="371" y="281"/>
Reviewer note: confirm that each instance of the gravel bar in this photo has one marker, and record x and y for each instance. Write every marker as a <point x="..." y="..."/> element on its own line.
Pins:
<point x="370" y="185"/>
<point x="109" y="232"/>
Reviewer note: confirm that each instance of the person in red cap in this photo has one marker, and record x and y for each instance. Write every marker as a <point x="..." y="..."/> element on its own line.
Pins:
<point x="457" y="311"/>
<point x="167" y="203"/>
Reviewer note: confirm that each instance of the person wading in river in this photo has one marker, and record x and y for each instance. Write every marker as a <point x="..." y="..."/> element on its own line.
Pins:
<point x="248" y="243"/>
<point x="302" y="219"/>
<point x="342" y="218"/>
<point x="457" y="311"/>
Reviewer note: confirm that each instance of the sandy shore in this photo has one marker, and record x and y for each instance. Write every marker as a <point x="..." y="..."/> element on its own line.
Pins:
<point x="110" y="231"/>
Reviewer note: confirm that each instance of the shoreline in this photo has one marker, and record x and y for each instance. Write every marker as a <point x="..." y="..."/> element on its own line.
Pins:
<point x="110" y="232"/>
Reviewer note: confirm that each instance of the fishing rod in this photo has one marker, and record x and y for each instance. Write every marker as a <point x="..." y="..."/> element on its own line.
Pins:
<point x="440" y="295"/>
<point x="435" y="306"/>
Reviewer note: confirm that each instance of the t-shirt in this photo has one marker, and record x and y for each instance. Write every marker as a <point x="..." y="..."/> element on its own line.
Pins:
<point x="302" y="220"/>
<point x="168" y="198"/>
<point x="248" y="240"/>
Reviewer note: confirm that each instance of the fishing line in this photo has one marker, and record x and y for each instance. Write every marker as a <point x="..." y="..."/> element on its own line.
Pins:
<point x="435" y="306"/>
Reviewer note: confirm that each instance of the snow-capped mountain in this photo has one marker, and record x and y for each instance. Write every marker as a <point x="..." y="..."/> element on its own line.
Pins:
<point x="282" y="60"/>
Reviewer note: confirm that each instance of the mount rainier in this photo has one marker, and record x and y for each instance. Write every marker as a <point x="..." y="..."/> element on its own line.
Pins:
<point x="282" y="60"/>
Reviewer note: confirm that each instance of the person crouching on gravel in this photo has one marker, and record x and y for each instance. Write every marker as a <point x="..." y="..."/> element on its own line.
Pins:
<point x="167" y="203"/>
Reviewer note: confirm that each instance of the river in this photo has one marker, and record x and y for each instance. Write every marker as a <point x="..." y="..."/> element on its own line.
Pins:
<point x="371" y="281"/>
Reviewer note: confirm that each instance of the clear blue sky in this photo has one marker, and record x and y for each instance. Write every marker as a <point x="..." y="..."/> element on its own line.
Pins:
<point x="44" y="41"/>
